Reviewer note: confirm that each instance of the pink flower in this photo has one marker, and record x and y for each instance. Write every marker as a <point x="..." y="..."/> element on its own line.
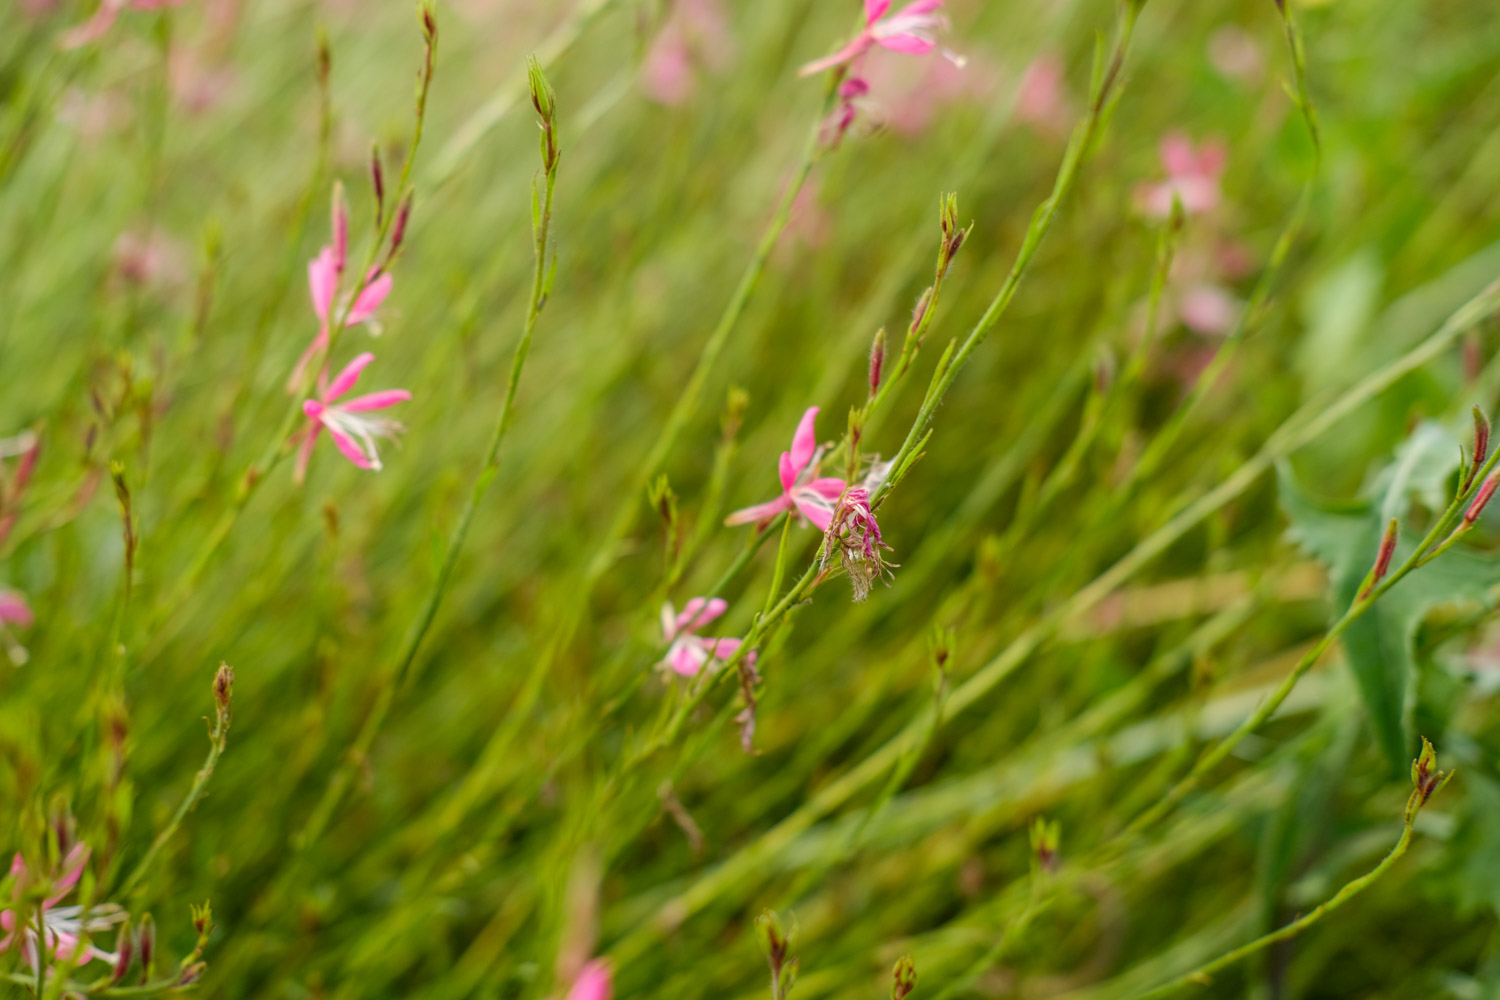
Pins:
<point x="801" y="489"/>
<point x="695" y="37"/>
<point x="353" y="433"/>
<point x="594" y="982"/>
<point x="855" y="535"/>
<point x="98" y="26"/>
<point x="1209" y="309"/>
<point x="64" y="925"/>
<point x="912" y="29"/>
<point x="688" y="652"/>
<point x="1041" y="100"/>
<point x="13" y="609"/>
<point x="323" y="274"/>
<point x="1192" y="177"/>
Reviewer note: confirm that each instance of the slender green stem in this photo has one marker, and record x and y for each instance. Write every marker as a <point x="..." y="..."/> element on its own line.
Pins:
<point x="218" y="738"/>
<point x="1203" y="975"/>
<point x="394" y="679"/>
<point x="1106" y="90"/>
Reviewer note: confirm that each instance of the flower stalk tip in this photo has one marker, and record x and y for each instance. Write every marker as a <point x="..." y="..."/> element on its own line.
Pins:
<point x="1426" y="779"/>
<point x="903" y="978"/>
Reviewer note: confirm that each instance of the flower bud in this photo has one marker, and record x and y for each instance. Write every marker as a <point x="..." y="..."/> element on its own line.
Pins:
<point x="223" y="689"/>
<point x="191" y="974"/>
<point x="377" y="181"/>
<point x="124" y="952"/>
<point x="1481" y="437"/>
<point x="877" y="360"/>
<point x="1425" y="777"/>
<point x="920" y="312"/>
<point x="1382" y="558"/>
<point x="147" y="942"/>
<point x="398" y="228"/>
<point x="1046" y="839"/>
<point x="903" y="978"/>
<point x="340" y="228"/>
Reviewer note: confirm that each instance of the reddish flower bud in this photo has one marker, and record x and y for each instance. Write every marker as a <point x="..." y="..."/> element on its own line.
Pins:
<point x="1382" y="557"/>
<point x="877" y="360"/>
<point x="124" y="953"/>
<point x="1486" y="490"/>
<point x="340" y="228"/>
<point x="377" y="181"/>
<point x="1481" y="437"/>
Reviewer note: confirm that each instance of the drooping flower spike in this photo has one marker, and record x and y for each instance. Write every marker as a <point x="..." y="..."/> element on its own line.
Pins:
<point x="801" y="488"/>
<point x="98" y="26"/>
<point x="323" y="275"/>
<point x="911" y="30"/>
<point x="687" y="652"/>
<point x="352" y="431"/>
<point x="64" y="925"/>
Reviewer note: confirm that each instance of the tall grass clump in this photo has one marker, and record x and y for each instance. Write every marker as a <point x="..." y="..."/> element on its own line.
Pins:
<point x="684" y="498"/>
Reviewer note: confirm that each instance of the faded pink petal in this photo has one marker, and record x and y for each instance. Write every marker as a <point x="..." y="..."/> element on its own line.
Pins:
<point x="73" y="865"/>
<point x="305" y="450"/>
<point x="914" y="45"/>
<point x="15" y="611"/>
<point x="299" y="370"/>
<point x="804" y="441"/>
<point x="376" y="400"/>
<point x="370" y="298"/>
<point x="818" y="515"/>
<point x="1208" y="309"/>
<point x="344" y="380"/>
<point x="698" y="612"/>
<point x="686" y="658"/>
<point x="94" y="28"/>
<point x="875" y="10"/>
<point x="322" y="280"/>
<point x="853" y="50"/>
<point x="351" y="451"/>
<point x="667" y="72"/>
<point x="594" y="982"/>
<point x="760" y="512"/>
<point x="1177" y="155"/>
<point x="723" y="649"/>
<point x="828" y="487"/>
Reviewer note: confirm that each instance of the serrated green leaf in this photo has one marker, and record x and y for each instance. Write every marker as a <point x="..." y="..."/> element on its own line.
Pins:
<point x="1345" y="535"/>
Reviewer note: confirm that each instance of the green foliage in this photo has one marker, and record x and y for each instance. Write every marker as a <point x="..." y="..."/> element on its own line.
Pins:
<point x="1346" y="536"/>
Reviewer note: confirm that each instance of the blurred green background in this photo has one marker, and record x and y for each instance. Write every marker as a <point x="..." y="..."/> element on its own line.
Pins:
<point x="160" y="192"/>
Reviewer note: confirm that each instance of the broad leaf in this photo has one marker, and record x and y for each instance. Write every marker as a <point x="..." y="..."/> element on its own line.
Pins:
<point x="1346" y="535"/>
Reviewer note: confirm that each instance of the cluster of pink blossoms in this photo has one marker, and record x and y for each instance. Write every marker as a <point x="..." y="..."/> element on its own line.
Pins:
<point x="64" y="925"/>
<point x="912" y="30"/>
<point x="687" y="651"/>
<point x="348" y="424"/>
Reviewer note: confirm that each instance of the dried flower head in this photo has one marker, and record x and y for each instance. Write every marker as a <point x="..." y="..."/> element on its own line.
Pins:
<point x="855" y="535"/>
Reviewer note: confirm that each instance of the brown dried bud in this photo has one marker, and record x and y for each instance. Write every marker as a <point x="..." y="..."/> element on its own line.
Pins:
<point x="224" y="687"/>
